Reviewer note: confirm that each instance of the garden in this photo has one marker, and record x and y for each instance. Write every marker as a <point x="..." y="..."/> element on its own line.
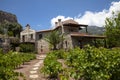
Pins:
<point x="89" y="63"/>
<point x="11" y="61"/>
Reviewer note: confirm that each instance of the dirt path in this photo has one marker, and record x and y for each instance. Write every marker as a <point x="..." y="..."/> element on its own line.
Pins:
<point x="31" y="69"/>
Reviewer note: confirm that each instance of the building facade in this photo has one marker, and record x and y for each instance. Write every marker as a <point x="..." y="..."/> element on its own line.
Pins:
<point x="72" y="34"/>
<point x="28" y="35"/>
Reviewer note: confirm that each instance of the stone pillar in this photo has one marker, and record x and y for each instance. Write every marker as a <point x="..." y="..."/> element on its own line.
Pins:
<point x="6" y="45"/>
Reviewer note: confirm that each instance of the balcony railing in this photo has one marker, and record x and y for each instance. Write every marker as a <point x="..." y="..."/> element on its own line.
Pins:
<point x="28" y="40"/>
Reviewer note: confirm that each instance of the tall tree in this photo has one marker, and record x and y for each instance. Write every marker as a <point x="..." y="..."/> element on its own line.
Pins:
<point x="112" y="26"/>
<point x="54" y="38"/>
<point x="10" y="28"/>
<point x="12" y="31"/>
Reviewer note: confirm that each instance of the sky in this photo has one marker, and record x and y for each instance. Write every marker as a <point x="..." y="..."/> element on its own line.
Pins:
<point x="42" y="14"/>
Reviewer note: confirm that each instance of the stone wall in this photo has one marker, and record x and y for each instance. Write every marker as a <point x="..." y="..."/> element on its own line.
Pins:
<point x="42" y="45"/>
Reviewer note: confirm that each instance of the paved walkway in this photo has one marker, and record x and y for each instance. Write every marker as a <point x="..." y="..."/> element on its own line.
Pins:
<point x="31" y="70"/>
<point x="34" y="72"/>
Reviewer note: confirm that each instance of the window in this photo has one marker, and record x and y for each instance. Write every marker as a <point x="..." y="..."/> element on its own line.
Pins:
<point x="0" y="40"/>
<point x="40" y="35"/>
<point x="23" y="38"/>
<point x="66" y="44"/>
<point x="31" y="36"/>
<point x="71" y="30"/>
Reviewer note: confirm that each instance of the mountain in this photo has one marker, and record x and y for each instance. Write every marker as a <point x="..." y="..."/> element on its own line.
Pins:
<point x="95" y="30"/>
<point x="9" y="24"/>
<point x="7" y="16"/>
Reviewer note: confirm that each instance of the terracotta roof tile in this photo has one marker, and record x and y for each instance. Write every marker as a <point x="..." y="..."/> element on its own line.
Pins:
<point x="70" y="21"/>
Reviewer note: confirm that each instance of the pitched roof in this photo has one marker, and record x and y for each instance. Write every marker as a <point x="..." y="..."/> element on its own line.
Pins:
<point x="70" y="21"/>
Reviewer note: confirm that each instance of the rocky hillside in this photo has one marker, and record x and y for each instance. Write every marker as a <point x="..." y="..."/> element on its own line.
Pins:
<point x="7" y="16"/>
<point x="9" y="24"/>
<point x="95" y="30"/>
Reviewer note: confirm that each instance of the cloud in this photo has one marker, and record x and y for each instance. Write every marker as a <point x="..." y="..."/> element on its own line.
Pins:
<point x="92" y="18"/>
<point x="63" y="18"/>
<point x="98" y="18"/>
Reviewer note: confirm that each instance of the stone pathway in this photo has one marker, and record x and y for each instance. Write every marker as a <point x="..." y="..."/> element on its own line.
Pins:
<point x="31" y="70"/>
<point x="34" y="72"/>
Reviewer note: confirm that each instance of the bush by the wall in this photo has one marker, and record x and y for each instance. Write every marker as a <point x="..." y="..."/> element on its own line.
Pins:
<point x="27" y="47"/>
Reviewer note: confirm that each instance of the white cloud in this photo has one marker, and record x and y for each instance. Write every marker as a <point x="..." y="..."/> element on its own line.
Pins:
<point x="115" y="7"/>
<point x="63" y="18"/>
<point x="92" y="18"/>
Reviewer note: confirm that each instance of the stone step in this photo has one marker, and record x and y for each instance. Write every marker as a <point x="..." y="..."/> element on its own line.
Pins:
<point x="41" y="58"/>
<point x="35" y="68"/>
<point x="36" y="65"/>
<point x="33" y="76"/>
<point x="33" y="72"/>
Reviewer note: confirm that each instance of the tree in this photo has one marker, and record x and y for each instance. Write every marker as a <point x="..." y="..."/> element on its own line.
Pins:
<point x="12" y="31"/>
<point x="10" y="28"/>
<point x="112" y="26"/>
<point x="54" y="38"/>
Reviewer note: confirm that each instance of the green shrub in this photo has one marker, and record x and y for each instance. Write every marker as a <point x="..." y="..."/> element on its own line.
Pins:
<point x="27" y="47"/>
<point x="60" y="54"/>
<point x="89" y="63"/>
<point x="94" y="64"/>
<point x="11" y="61"/>
<point x="51" y="66"/>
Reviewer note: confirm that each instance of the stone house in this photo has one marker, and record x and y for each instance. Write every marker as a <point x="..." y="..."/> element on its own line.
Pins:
<point x="28" y="35"/>
<point x="72" y="34"/>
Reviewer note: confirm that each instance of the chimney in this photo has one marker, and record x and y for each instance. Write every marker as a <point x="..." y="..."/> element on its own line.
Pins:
<point x="59" y="22"/>
<point x="56" y="24"/>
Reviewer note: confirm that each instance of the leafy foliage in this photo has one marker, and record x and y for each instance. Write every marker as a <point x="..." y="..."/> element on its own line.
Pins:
<point x="89" y="63"/>
<point x="26" y="47"/>
<point x="54" y="38"/>
<point x="113" y="30"/>
<point x="60" y="54"/>
<point x="51" y="66"/>
<point x="10" y="28"/>
<point x="10" y="61"/>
